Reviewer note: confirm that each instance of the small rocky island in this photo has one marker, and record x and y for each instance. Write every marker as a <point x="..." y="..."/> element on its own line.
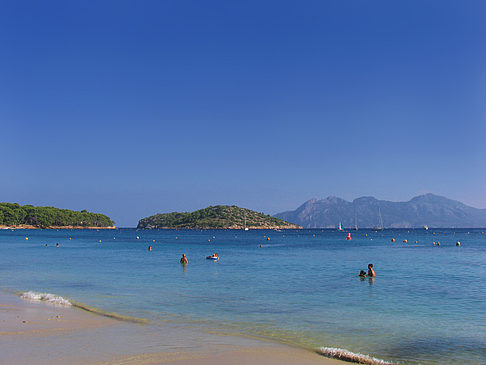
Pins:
<point x="217" y="217"/>
<point x="13" y="215"/>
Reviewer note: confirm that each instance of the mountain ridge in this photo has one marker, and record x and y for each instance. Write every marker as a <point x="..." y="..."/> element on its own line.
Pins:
<point x="427" y="209"/>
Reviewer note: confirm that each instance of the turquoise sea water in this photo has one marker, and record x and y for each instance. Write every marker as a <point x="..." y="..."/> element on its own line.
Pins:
<point x="427" y="304"/>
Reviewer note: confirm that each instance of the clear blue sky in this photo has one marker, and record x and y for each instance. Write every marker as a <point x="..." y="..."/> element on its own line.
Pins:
<point x="136" y="107"/>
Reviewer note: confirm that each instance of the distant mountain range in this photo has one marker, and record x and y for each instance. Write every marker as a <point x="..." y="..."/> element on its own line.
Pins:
<point x="429" y="209"/>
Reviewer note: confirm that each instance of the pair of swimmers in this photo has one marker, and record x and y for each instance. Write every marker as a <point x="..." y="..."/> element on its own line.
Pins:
<point x="184" y="259"/>
<point x="371" y="272"/>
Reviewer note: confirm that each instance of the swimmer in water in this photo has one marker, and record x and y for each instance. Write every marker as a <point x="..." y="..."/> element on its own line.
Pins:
<point x="150" y="248"/>
<point x="371" y="272"/>
<point x="184" y="259"/>
<point x="362" y="274"/>
<point x="57" y="244"/>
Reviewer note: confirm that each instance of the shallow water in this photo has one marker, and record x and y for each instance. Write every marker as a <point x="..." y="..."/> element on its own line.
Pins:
<point x="426" y="304"/>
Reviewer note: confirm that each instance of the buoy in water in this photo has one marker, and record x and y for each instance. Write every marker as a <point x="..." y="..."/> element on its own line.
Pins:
<point x="26" y="238"/>
<point x="99" y="241"/>
<point x="348" y="237"/>
<point x="405" y="241"/>
<point x="393" y="240"/>
<point x="458" y="243"/>
<point x="268" y="238"/>
<point x="138" y="238"/>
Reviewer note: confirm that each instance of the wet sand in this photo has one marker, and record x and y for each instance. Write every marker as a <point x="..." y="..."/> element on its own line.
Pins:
<point x="40" y="333"/>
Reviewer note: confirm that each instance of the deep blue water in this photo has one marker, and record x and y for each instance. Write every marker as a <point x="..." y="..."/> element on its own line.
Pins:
<point x="426" y="305"/>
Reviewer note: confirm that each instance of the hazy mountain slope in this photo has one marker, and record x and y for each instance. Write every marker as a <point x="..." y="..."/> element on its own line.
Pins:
<point x="429" y="209"/>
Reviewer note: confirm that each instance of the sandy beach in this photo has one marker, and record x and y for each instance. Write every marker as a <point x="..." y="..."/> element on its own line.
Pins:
<point x="41" y="333"/>
<point x="28" y="226"/>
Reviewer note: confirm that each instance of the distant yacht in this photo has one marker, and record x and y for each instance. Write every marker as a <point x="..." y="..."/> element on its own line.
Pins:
<point x="355" y="222"/>
<point x="426" y="227"/>
<point x="380" y="226"/>
<point x="340" y="227"/>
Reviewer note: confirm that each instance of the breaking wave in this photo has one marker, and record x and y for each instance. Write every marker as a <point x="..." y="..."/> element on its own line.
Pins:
<point x="59" y="301"/>
<point x="46" y="297"/>
<point x="343" y="354"/>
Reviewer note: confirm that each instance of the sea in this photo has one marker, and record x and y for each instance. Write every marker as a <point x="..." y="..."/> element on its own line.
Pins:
<point x="426" y="305"/>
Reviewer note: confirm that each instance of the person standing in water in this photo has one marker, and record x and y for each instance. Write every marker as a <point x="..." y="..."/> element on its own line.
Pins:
<point x="184" y="259"/>
<point x="371" y="272"/>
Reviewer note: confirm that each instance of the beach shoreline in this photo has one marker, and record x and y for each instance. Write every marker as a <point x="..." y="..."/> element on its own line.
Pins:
<point x="27" y="226"/>
<point x="42" y="333"/>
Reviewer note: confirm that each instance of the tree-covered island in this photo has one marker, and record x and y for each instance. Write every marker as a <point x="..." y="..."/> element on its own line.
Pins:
<point x="217" y="217"/>
<point x="13" y="215"/>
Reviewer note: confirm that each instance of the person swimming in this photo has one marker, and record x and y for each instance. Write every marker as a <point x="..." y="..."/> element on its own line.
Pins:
<point x="362" y="274"/>
<point x="371" y="272"/>
<point x="184" y="259"/>
<point x="149" y="248"/>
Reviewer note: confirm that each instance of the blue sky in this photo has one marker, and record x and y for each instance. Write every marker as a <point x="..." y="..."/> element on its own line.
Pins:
<point x="132" y="108"/>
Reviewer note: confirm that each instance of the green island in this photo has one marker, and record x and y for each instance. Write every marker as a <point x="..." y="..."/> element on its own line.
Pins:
<point x="13" y="215"/>
<point x="217" y="217"/>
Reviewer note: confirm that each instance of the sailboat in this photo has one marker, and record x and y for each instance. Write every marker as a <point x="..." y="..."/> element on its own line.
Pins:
<point x="380" y="227"/>
<point x="246" y="228"/>
<point x="355" y="221"/>
<point x="340" y="227"/>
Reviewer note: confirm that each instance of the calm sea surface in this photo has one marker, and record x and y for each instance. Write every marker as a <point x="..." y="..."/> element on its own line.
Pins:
<point x="427" y="304"/>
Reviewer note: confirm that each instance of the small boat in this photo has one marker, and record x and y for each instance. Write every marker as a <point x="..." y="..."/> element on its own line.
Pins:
<point x="340" y="227"/>
<point x="426" y="227"/>
<point x="212" y="257"/>
<point x="380" y="227"/>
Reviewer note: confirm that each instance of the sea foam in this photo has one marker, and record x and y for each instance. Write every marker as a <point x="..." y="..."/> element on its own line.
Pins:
<point x="46" y="297"/>
<point x="343" y="354"/>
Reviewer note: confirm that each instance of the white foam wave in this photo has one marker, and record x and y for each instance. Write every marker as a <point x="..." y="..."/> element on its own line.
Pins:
<point x="46" y="297"/>
<point x="343" y="354"/>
